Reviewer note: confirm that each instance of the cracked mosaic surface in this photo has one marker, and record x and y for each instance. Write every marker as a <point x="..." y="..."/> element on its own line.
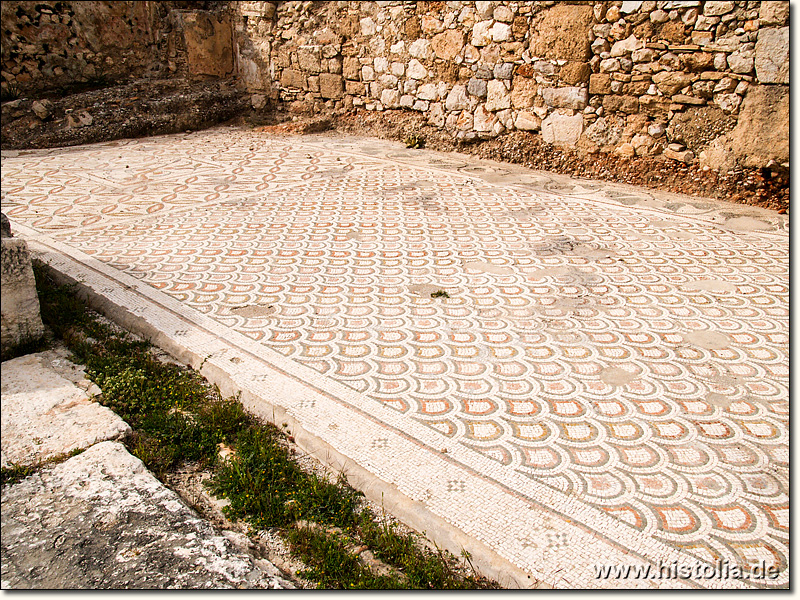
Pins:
<point x="626" y="350"/>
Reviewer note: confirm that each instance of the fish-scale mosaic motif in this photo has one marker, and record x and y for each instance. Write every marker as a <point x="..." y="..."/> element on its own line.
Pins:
<point x="633" y="360"/>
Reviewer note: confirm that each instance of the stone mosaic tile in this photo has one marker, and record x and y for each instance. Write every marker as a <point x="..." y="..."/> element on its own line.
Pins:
<point x="618" y="369"/>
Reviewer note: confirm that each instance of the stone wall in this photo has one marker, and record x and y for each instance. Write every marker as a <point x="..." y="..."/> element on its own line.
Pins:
<point x="50" y="47"/>
<point x="685" y="79"/>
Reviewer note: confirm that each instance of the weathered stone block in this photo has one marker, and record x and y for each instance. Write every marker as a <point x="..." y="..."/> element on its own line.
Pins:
<point x="503" y="13"/>
<point x="390" y="98"/>
<point x="772" y="55"/>
<point x="774" y="13"/>
<point x="741" y="61"/>
<point x="562" y="129"/>
<point x="626" y="46"/>
<point x="762" y="131"/>
<point x="624" y="104"/>
<point x="209" y="48"/>
<point x="436" y="114"/>
<point x="698" y="61"/>
<point x="523" y="92"/>
<point x="484" y="121"/>
<point x="527" y="121"/>
<point x="600" y="83"/>
<point x="416" y="70"/>
<point x="503" y="70"/>
<point x="497" y="96"/>
<point x="308" y="58"/>
<point x="46" y="415"/>
<point x="500" y="32"/>
<point x="671" y="82"/>
<point x="291" y="78"/>
<point x="560" y="32"/>
<point x="428" y="91"/>
<point x="673" y="31"/>
<point x="331" y="85"/>
<point x="575" y="72"/>
<point x="465" y="120"/>
<point x="457" y="99"/>
<point x="718" y="8"/>
<point x="20" y="320"/>
<point x="481" y="33"/>
<point x="565" y="97"/>
<point x="351" y="68"/>
<point x="477" y="87"/>
<point x="355" y="88"/>
<point x="448" y="44"/>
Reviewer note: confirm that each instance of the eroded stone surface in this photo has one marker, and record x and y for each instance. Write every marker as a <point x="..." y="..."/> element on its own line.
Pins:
<point x="20" y="321"/>
<point x="100" y="520"/>
<point x="45" y="415"/>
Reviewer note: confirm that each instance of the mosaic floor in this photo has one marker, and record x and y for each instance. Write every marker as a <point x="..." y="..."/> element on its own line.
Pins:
<point x="574" y="374"/>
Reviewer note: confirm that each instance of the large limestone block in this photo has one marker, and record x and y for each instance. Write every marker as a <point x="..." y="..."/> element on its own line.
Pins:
<point x="562" y="129"/>
<point x="20" y="320"/>
<point x="308" y="58"/>
<point x="209" y="44"/>
<point x="457" y="99"/>
<point x="527" y="121"/>
<point x="484" y="121"/>
<point x="481" y="34"/>
<point x="45" y="415"/>
<point x="772" y="55"/>
<point x="102" y="520"/>
<point x="762" y="131"/>
<point x="562" y="32"/>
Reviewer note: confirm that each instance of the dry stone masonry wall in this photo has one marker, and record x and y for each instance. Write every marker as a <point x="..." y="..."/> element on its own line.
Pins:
<point x="50" y="47"/>
<point x="685" y="79"/>
<point x="688" y="80"/>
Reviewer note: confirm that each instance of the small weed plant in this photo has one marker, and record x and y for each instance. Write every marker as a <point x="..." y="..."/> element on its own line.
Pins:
<point x="178" y="418"/>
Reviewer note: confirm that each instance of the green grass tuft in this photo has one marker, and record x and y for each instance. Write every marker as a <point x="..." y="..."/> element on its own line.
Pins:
<point x="15" y="473"/>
